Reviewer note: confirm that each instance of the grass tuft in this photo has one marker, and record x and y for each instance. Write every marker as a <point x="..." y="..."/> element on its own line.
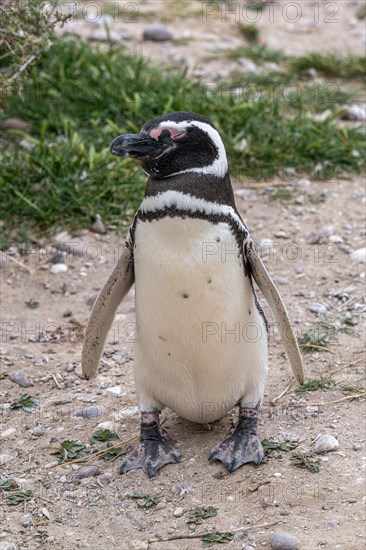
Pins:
<point x="77" y="98"/>
<point x="323" y="383"/>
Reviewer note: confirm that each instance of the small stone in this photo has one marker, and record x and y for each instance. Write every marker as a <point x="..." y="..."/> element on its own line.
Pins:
<point x="332" y="524"/>
<point x="178" y="512"/>
<point x="8" y="432"/>
<point x="98" y="226"/>
<point x="160" y="506"/>
<point x="359" y="255"/>
<point x="336" y="239"/>
<point x="107" y="425"/>
<point x="2" y="514"/>
<point x="87" y="471"/>
<point x="157" y="33"/>
<point x="354" y="112"/>
<point x="304" y="184"/>
<point x="357" y="447"/>
<point x="14" y="124"/>
<point x="58" y="268"/>
<point x="58" y="257"/>
<point x="89" y="412"/>
<point x="181" y="488"/>
<point x="325" y="444"/>
<point x="26" y="520"/>
<point x="319" y="309"/>
<point x="326" y="230"/>
<point x="284" y="541"/>
<point x="115" y="390"/>
<point x="19" y="378"/>
<point x="38" y="431"/>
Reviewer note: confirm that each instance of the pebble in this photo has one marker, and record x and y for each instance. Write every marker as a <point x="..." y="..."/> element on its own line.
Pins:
<point x="160" y="506"/>
<point x="115" y="390"/>
<point x="19" y="378"/>
<point x="26" y="520"/>
<point x="284" y="541"/>
<point x="157" y="33"/>
<point x="7" y="546"/>
<point x="58" y="268"/>
<point x="317" y="308"/>
<point x="181" y="488"/>
<point x="98" y="226"/>
<point x="357" y="447"/>
<point x="326" y="443"/>
<point x="2" y="514"/>
<point x="8" y="432"/>
<point x="336" y="239"/>
<point x="359" y="255"/>
<point x="326" y="230"/>
<point x="354" y="112"/>
<point x="178" y="512"/>
<point x="303" y="184"/>
<point x="38" y="431"/>
<point x="89" y="412"/>
<point x="87" y="471"/>
<point x="14" y="124"/>
<point x="58" y="257"/>
<point x="333" y="524"/>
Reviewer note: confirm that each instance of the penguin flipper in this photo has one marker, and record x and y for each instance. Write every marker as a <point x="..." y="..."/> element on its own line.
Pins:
<point x="104" y="309"/>
<point x="271" y="294"/>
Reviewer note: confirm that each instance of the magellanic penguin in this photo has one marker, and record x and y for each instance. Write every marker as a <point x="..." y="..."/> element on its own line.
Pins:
<point x="202" y="335"/>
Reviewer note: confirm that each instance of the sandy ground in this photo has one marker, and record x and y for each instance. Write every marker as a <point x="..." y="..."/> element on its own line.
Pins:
<point x="310" y="262"/>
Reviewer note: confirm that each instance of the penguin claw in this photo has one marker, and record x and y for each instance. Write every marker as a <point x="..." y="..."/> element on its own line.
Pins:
<point x="150" y="456"/>
<point x="238" y="449"/>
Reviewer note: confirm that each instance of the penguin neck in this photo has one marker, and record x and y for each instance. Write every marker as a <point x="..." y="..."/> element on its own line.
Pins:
<point x="211" y="188"/>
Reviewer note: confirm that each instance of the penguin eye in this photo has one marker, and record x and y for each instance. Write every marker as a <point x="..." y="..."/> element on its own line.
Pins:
<point x="167" y="131"/>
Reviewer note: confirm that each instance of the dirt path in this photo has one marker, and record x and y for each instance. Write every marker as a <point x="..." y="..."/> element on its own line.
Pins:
<point x="309" y="257"/>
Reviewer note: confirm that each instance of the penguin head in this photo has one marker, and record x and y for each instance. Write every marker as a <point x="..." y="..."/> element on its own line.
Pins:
<point x="175" y="143"/>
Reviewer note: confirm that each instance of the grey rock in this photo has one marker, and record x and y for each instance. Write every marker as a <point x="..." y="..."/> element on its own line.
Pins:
<point x="359" y="255"/>
<point x="87" y="471"/>
<point x="333" y="524"/>
<point x="89" y="412"/>
<point x="326" y="443"/>
<point x="19" y="378"/>
<point x="2" y="514"/>
<point x="26" y="520"/>
<point x="157" y="33"/>
<point x="284" y="541"/>
<point x="319" y="309"/>
<point x="4" y="545"/>
<point x="38" y="431"/>
<point x="58" y="268"/>
<point x="58" y="257"/>
<point x="14" y="124"/>
<point x="178" y="512"/>
<point x="354" y="112"/>
<point x="326" y="230"/>
<point x="98" y="226"/>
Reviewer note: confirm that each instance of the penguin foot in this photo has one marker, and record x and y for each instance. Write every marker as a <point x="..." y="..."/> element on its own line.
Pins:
<point x="153" y="451"/>
<point x="243" y="445"/>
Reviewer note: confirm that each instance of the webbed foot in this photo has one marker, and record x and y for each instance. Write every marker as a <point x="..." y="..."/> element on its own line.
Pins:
<point x="243" y="445"/>
<point x="153" y="450"/>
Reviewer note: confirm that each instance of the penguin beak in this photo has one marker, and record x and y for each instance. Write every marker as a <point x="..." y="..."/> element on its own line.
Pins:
<point x="140" y="146"/>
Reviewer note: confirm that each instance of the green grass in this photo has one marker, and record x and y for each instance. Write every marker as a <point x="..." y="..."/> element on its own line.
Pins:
<point x="323" y="383"/>
<point x="77" y="98"/>
<point x="249" y="32"/>
<point x="329" y="64"/>
<point x="258" y="53"/>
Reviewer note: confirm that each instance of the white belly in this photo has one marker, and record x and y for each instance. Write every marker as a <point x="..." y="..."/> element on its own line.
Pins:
<point x="202" y="344"/>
